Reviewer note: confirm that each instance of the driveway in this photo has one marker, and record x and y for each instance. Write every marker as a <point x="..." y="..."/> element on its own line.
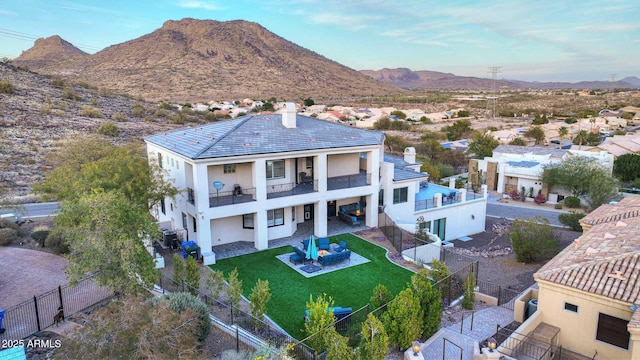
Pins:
<point x="26" y="273"/>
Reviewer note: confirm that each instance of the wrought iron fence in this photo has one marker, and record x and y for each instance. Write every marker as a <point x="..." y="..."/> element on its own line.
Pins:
<point x="506" y="297"/>
<point x="38" y="313"/>
<point x="289" y="189"/>
<point x="223" y="198"/>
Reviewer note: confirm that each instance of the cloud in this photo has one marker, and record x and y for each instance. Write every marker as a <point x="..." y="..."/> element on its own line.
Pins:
<point x="197" y="4"/>
<point x="607" y="27"/>
<point x="354" y="22"/>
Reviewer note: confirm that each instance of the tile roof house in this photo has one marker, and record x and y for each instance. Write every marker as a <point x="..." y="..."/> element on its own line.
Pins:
<point x="590" y="291"/>
<point x="256" y="178"/>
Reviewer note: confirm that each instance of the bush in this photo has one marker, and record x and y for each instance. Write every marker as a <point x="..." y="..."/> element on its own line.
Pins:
<point x="109" y="129"/>
<point x="11" y="225"/>
<point x="572" y="220"/>
<point x="514" y="194"/>
<point x="118" y="117"/>
<point x="557" y="206"/>
<point x="540" y="199"/>
<point x="68" y="93"/>
<point x="91" y="112"/>
<point x="57" y="82"/>
<point x="572" y="201"/>
<point x="179" y="302"/>
<point x="40" y="236"/>
<point x="6" y="87"/>
<point x="138" y="110"/>
<point x="57" y="241"/>
<point x="533" y="239"/>
<point x="469" y="292"/>
<point x="7" y="236"/>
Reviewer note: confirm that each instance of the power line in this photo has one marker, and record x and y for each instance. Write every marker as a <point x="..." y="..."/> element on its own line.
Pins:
<point x="28" y="37"/>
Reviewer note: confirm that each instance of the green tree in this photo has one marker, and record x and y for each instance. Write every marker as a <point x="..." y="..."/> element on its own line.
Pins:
<point x="518" y="142"/>
<point x="469" y="292"/>
<point x="337" y="346"/>
<point x="533" y="239"/>
<point x="562" y="132"/>
<point x="430" y="302"/>
<point x="215" y="283"/>
<point x="396" y="143"/>
<point x="134" y="329"/>
<point x="192" y="275"/>
<point x="430" y="148"/>
<point x="458" y="130"/>
<point x="399" y="114"/>
<point x="572" y="220"/>
<point x="403" y="319"/>
<point x="380" y="296"/>
<point x="318" y="319"/>
<point x="87" y="164"/>
<point x="179" y="269"/>
<point x="106" y="237"/>
<point x="309" y="102"/>
<point x="536" y="133"/>
<point x="602" y="189"/>
<point x="374" y="341"/>
<point x="627" y="167"/>
<point x="260" y="295"/>
<point x="463" y="113"/>
<point x="234" y="290"/>
<point x="382" y="124"/>
<point x="540" y="119"/>
<point x="482" y="145"/>
<point x="565" y="173"/>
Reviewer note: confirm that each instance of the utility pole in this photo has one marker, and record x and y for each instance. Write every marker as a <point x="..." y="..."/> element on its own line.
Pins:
<point x="493" y="99"/>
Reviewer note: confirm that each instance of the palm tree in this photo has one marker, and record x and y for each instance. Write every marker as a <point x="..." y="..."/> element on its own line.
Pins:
<point x="562" y="132"/>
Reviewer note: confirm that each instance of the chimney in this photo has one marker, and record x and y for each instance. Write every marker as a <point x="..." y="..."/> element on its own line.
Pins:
<point x="410" y="155"/>
<point x="289" y="115"/>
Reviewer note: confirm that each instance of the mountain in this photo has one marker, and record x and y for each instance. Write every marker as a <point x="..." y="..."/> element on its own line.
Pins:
<point x="422" y="80"/>
<point x="190" y="60"/>
<point x="49" y="50"/>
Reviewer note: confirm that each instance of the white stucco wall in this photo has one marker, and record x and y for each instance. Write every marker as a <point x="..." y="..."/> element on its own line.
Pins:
<point x="343" y="164"/>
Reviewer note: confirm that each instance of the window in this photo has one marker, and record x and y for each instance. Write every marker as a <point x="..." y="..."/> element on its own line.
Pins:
<point x="160" y="160"/>
<point x="229" y="168"/>
<point x="163" y="209"/>
<point x="400" y="195"/>
<point x="275" y="217"/>
<point x="309" y="162"/>
<point x="571" y="307"/>
<point x="184" y="220"/>
<point x="195" y="224"/>
<point x="439" y="228"/>
<point x="275" y="169"/>
<point x="191" y="197"/>
<point x="247" y="221"/>
<point x="381" y="197"/>
<point x="613" y="330"/>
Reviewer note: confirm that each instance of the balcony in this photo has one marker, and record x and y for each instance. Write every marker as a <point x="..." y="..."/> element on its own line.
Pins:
<point x="224" y="198"/>
<point x="349" y="181"/>
<point x="290" y="189"/>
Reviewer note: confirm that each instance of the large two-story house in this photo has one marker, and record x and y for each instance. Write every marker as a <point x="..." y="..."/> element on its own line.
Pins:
<point x="258" y="177"/>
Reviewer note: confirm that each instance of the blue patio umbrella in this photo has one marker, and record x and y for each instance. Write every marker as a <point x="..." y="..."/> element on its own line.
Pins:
<point x="312" y="251"/>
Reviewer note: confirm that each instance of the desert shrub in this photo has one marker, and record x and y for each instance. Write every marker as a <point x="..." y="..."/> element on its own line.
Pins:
<point x="119" y="117"/>
<point x="210" y="116"/>
<point x="162" y="113"/>
<point x="57" y="82"/>
<point x="94" y="102"/>
<point x="6" y="87"/>
<point x="533" y="239"/>
<point x="85" y="85"/>
<point x="572" y="220"/>
<point x="45" y="109"/>
<point x="7" y="236"/>
<point x="61" y="105"/>
<point x="514" y="194"/>
<point x="104" y="91"/>
<point x="56" y="241"/>
<point x="40" y="236"/>
<point x="138" y="110"/>
<point x="166" y="106"/>
<point x="572" y="201"/>
<point x="469" y="292"/>
<point x="68" y="93"/>
<point x="11" y="225"/>
<point x="557" y="206"/>
<point x="179" y="302"/>
<point x="108" y="129"/>
<point x="91" y="112"/>
<point x="540" y="199"/>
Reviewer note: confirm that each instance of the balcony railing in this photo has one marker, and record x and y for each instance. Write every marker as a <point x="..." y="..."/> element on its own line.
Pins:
<point x="348" y="181"/>
<point x="289" y="189"/>
<point x="224" y="198"/>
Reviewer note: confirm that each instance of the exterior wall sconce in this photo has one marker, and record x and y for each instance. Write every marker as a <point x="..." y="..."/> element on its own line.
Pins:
<point x="492" y="344"/>
<point x="416" y="348"/>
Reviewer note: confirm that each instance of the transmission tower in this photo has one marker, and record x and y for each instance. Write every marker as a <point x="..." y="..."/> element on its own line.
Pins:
<point x="613" y="77"/>
<point x="493" y="98"/>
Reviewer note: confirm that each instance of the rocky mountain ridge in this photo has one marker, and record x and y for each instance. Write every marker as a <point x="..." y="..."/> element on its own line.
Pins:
<point x="191" y="60"/>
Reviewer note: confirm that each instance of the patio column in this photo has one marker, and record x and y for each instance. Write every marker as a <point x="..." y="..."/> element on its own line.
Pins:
<point x="320" y="219"/>
<point x="260" y="180"/>
<point x="201" y="180"/>
<point x="321" y="168"/>
<point x="260" y="230"/>
<point x="437" y="199"/>
<point x="463" y="195"/>
<point x="371" y="216"/>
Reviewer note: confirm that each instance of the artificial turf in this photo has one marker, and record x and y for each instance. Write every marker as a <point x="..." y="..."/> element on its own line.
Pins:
<point x="350" y="287"/>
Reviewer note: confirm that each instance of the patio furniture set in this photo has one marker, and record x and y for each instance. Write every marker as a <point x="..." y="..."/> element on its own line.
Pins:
<point x="351" y="213"/>
<point x="326" y="255"/>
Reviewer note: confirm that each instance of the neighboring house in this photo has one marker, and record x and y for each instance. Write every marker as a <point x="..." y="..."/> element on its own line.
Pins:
<point x="589" y="294"/>
<point x="620" y="145"/>
<point x="257" y="177"/>
<point x="610" y="113"/>
<point x="513" y="167"/>
<point x="505" y="136"/>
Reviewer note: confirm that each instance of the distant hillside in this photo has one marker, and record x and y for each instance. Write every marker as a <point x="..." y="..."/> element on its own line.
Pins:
<point x="422" y="80"/>
<point x="53" y="49"/>
<point x="190" y="60"/>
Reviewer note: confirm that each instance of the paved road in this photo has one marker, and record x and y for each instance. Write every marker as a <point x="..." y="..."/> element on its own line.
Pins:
<point x="33" y="210"/>
<point x="511" y="211"/>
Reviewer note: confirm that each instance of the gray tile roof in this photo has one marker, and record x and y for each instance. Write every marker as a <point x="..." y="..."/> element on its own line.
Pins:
<point x="398" y="161"/>
<point x="535" y="150"/>
<point x="403" y="174"/>
<point x="262" y="134"/>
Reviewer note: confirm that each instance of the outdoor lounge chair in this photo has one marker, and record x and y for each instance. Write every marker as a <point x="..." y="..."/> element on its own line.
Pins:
<point x="323" y="244"/>
<point x="341" y="247"/>
<point x="237" y="190"/>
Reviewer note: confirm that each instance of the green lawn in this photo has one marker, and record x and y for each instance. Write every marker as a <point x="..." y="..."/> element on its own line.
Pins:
<point x="351" y="287"/>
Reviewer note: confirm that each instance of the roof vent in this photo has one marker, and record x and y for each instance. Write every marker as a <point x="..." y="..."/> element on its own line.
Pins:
<point x="590" y="251"/>
<point x="617" y="275"/>
<point x="609" y="236"/>
<point x="621" y="224"/>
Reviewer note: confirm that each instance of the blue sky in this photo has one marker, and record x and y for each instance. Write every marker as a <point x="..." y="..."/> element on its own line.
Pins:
<point x="542" y="40"/>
